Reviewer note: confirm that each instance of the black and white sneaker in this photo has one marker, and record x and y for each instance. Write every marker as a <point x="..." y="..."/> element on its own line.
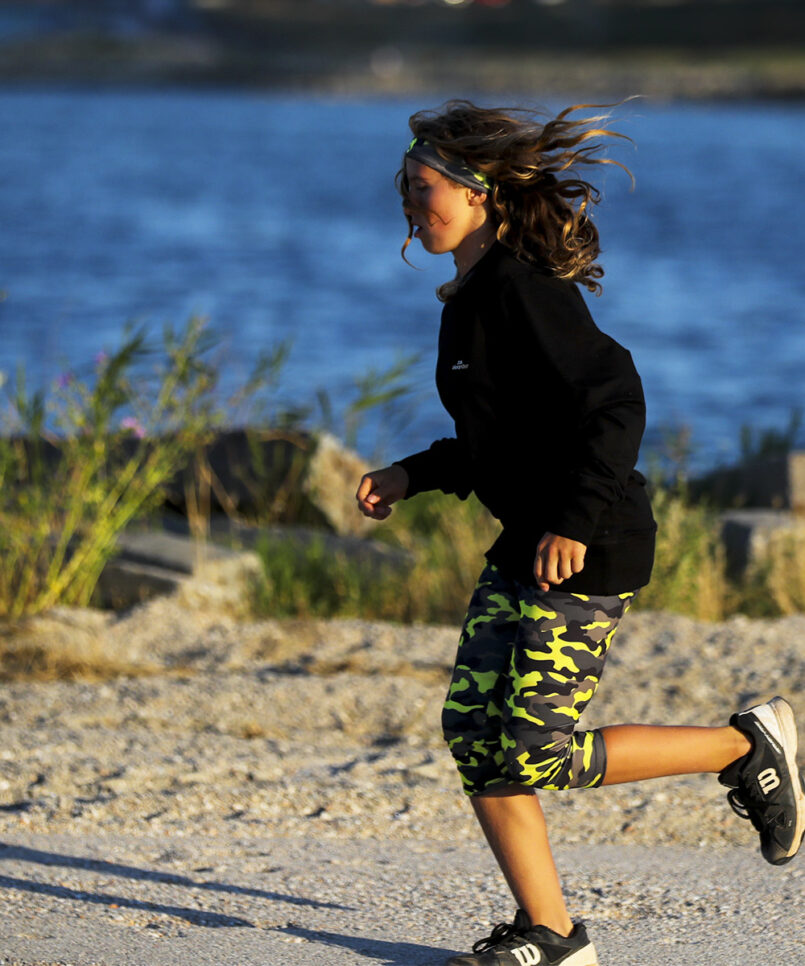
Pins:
<point x="766" y="786"/>
<point x="521" y="944"/>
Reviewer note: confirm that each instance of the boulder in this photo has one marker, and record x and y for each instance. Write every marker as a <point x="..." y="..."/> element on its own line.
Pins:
<point x="776" y="483"/>
<point x="164" y="558"/>
<point x="291" y="478"/>
<point x="332" y="477"/>
<point x="150" y="563"/>
<point x="287" y="476"/>
<point x="748" y="535"/>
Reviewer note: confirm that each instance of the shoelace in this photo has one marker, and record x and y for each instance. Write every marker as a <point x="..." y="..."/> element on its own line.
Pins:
<point x="760" y="813"/>
<point x="500" y="934"/>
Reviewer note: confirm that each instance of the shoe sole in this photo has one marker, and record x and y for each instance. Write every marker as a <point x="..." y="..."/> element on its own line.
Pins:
<point x="582" y="957"/>
<point x="777" y="717"/>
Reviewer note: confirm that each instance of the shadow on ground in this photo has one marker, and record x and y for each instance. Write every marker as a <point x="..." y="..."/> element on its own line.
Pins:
<point x="388" y="953"/>
<point x="198" y="917"/>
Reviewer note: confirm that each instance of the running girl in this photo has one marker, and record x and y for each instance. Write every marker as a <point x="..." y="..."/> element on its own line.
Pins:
<point x="548" y="413"/>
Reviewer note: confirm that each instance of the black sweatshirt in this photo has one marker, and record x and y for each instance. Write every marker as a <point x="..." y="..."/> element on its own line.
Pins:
<point x="549" y="413"/>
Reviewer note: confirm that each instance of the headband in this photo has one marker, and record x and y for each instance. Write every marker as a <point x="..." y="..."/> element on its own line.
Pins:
<point x="424" y="152"/>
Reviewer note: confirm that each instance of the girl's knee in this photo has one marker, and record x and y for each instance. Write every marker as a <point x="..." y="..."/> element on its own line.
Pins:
<point x="537" y="767"/>
<point x="476" y="752"/>
<point x="575" y="760"/>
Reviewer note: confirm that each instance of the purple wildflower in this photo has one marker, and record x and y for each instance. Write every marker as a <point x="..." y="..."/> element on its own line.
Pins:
<point x="101" y="359"/>
<point x="133" y="425"/>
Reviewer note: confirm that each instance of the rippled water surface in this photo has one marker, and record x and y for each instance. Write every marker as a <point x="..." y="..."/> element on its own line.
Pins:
<point x="276" y="216"/>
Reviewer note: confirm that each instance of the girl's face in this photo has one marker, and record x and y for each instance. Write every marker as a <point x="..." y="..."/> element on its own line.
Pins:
<point x="444" y="214"/>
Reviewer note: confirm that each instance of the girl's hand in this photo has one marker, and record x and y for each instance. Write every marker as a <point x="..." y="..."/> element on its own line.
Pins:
<point x="557" y="559"/>
<point x="379" y="489"/>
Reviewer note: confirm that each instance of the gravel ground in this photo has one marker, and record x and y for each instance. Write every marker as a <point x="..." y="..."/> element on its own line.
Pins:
<point x="195" y="900"/>
<point x="286" y="780"/>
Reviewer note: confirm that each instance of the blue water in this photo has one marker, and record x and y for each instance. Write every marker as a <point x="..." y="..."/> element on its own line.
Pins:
<point x="276" y="217"/>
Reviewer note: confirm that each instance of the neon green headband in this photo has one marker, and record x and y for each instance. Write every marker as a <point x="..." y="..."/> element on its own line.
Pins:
<point x="424" y="152"/>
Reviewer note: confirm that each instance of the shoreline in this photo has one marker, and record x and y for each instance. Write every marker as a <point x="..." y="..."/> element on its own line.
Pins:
<point x="659" y="74"/>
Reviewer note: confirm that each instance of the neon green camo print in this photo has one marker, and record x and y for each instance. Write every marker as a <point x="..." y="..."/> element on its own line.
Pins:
<point x="528" y="664"/>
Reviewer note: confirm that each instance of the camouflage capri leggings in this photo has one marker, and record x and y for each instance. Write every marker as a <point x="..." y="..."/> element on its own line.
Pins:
<point x="528" y="663"/>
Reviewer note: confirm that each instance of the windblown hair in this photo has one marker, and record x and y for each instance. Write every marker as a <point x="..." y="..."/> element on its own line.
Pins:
<point x="540" y="203"/>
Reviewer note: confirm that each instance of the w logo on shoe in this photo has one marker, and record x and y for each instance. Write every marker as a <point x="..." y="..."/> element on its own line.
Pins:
<point x="527" y="955"/>
<point x="768" y="779"/>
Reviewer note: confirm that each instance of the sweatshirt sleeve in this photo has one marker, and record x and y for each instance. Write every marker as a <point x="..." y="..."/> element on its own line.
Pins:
<point x="597" y="398"/>
<point x="443" y="466"/>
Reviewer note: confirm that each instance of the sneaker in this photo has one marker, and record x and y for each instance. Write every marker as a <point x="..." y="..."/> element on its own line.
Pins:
<point x="521" y="944"/>
<point x="766" y="786"/>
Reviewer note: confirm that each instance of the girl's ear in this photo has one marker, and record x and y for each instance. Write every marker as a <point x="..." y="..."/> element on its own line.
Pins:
<point x="477" y="197"/>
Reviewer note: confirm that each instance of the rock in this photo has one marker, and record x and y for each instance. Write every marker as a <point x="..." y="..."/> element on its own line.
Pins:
<point x="748" y="535"/>
<point x="165" y="559"/>
<point x="152" y="563"/>
<point x="773" y="483"/>
<point x="124" y="583"/>
<point x="222" y="583"/>
<point x="332" y="478"/>
<point x="287" y="476"/>
<point x="291" y="477"/>
<point x="251" y="472"/>
<point x="235" y="534"/>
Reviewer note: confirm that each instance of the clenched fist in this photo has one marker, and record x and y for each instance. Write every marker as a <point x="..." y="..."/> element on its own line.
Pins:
<point x="557" y="559"/>
<point x="379" y="489"/>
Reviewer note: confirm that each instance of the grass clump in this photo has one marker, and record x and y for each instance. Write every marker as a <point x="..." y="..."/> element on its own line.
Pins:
<point x="30" y="660"/>
<point x="440" y="542"/>
<point x="689" y="575"/>
<point x="435" y="547"/>
<point x="64" y="645"/>
<point x="78" y="465"/>
<point x="774" y="586"/>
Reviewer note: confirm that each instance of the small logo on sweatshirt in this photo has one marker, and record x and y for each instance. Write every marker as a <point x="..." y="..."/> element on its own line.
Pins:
<point x="461" y="365"/>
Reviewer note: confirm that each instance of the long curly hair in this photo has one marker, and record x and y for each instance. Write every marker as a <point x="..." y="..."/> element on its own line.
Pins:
<point x="540" y="204"/>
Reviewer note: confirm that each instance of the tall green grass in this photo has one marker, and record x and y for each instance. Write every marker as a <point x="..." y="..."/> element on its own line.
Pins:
<point x="82" y="459"/>
<point x="689" y="575"/>
<point x="445" y="540"/>
<point x="79" y="463"/>
<point x="435" y="549"/>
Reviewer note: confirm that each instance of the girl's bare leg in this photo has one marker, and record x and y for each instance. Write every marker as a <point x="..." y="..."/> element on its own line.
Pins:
<point x="635" y="752"/>
<point x="514" y="825"/>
